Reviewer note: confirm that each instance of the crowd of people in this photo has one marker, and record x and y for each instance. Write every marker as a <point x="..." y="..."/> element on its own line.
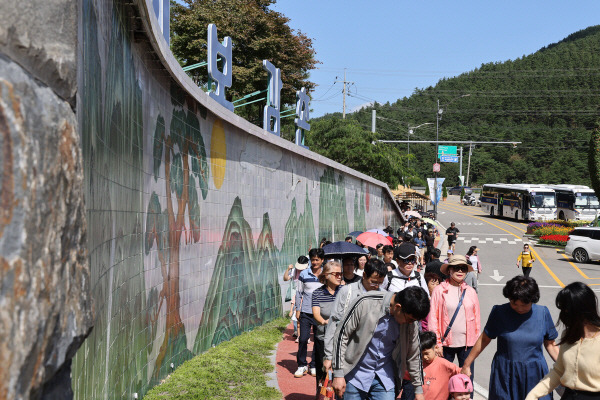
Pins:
<point x="392" y="322"/>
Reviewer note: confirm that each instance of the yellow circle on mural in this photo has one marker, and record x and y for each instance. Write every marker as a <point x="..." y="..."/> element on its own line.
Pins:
<point x="218" y="153"/>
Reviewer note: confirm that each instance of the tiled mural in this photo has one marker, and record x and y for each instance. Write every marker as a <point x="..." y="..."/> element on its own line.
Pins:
<point x="192" y="220"/>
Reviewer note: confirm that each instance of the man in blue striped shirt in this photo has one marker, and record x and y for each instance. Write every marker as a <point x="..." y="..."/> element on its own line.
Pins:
<point x="308" y="281"/>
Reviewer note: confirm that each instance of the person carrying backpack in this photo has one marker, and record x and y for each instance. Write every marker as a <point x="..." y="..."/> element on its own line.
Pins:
<point x="406" y="274"/>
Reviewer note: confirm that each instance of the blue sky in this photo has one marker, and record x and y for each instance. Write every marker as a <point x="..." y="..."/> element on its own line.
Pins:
<point x="392" y="47"/>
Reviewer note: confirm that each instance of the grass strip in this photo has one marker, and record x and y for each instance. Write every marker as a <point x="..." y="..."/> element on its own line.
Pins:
<point x="232" y="370"/>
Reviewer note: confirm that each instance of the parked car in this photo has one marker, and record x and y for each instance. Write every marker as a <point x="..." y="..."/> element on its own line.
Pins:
<point x="583" y="244"/>
<point x="458" y="189"/>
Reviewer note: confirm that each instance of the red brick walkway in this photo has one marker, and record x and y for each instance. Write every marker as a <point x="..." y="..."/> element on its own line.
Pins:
<point x="293" y="388"/>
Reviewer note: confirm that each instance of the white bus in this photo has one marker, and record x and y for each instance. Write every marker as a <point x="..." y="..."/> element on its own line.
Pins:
<point x="576" y="202"/>
<point x="519" y="201"/>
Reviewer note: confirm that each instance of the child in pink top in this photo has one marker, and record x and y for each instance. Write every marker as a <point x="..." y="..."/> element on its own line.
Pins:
<point x="437" y="371"/>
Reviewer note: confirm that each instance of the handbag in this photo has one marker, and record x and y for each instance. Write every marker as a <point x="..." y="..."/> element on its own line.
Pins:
<point x="326" y="392"/>
<point x="462" y="296"/>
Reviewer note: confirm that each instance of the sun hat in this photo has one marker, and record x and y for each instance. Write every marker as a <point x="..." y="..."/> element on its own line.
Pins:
<point x="302" y="263"/>
<point x="405" y="250"/>
<point x="460" y="383"/>
<point x="455" y="260"/>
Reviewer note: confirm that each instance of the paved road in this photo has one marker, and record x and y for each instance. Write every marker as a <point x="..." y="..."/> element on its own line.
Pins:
<point x="500" y="242"/>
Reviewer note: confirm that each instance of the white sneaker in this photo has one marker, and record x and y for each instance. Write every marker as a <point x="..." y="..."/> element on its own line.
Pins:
<point x="313" y="371"/>
<point x="301" y="371"/>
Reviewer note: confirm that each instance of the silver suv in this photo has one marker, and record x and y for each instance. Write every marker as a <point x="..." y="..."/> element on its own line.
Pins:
<point x="583" y="244"/>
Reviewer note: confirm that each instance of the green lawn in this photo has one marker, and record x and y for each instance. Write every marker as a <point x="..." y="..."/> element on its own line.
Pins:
<point x="232" y="370"/>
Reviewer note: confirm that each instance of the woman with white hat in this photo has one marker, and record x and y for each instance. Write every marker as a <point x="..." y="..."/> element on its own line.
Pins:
<point x="455" y="316"/>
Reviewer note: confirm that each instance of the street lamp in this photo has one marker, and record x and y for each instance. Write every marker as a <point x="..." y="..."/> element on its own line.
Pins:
<point x="438" y="117"/>
<point x="411" y="130"/>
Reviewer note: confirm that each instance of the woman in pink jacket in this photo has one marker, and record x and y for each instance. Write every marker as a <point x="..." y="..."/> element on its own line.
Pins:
<point x="456" y="331"/>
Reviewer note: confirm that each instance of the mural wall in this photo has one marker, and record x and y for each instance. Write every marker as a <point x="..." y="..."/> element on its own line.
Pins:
<point x="192" y="220"/>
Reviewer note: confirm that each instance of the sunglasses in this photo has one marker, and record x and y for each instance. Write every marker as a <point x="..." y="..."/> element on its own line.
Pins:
<point x="461" y="268"/>
<point x="410" y="260"/>
<point x="336" y="274"/>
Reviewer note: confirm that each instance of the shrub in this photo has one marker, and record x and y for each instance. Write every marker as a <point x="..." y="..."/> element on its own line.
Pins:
<point x="552" y="230"/>
<point x="534" y="226"/>
<point x="558" y="240"/>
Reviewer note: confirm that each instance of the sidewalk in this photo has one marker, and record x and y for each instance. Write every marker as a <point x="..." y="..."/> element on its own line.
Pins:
<point x="293" y="388"/>
<point x="298" y="388"/>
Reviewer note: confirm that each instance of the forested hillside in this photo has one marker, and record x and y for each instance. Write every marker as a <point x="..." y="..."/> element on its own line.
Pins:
<point x="547" y="100"/>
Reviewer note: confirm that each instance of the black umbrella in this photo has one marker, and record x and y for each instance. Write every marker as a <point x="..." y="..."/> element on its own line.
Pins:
<point x="343" y="249"/>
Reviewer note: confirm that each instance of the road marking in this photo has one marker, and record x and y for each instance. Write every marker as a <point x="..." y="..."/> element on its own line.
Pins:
<point x="497" y="277"/>
<point x="577" y="269"/>
<point x="552" y="274"/>
<point x="504" y="284"/>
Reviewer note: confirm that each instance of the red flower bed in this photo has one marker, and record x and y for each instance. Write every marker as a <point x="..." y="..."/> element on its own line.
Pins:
<point x="559" y="240"/>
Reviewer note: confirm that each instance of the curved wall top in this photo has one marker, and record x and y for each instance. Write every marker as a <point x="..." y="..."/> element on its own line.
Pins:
<point x="193" y="213"/>
<point x="163" y="51"/>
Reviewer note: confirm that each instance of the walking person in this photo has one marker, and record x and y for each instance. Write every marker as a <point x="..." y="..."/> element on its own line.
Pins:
<point x="455" y="316"/>
<point x="526" y="258"/>
<point x="349" y="275"/>
<point x="307" y="283"/>
<point x="293" y="273"/>
<point x="429" y="242"/>
<point x="322" y="306"/>
<point x="372" y="279"/>
<point x="522" y="329"/>
<point x="576" y="367"/>
<point x="405" y="274"/>
<point x="473" y="257"/>
<point x="360" y="264"/>
<point x="452" y="234"/>
<point x="376" y="342"/>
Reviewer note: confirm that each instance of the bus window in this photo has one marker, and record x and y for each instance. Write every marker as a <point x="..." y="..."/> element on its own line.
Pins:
<point x="586" y="200"/>
<point x="539" y="200"/>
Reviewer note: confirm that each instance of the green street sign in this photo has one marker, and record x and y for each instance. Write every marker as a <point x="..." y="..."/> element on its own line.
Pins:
<point x="446" y="151"/>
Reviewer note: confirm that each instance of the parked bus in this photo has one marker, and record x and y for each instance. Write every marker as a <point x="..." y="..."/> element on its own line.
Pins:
<point x="519" y="201"/>
<point x="576" y="202"/>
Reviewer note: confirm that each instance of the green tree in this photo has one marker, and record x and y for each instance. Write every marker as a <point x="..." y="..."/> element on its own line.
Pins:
<point x="258" y="33"/>
<point x="547" y="100"/>
<point x="444" y="192"/>
<point x="594" y="160"/>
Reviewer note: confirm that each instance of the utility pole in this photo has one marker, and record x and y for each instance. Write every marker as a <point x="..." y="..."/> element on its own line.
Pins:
<point x="437" y="149"/>
<point x="344" y="93"/>
<point x="460" y="166"/>
<point x="469" y="164"/>
<point x="373" y="119"/>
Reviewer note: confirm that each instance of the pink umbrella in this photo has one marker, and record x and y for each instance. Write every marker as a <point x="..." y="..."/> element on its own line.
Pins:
<point x="413" y="214"/>
<point x="372" y="239"/>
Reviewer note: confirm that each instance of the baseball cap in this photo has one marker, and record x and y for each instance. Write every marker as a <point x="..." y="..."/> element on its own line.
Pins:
<point x="405" y="250"/>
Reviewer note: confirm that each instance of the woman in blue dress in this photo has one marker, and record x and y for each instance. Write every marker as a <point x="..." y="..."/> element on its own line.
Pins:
<point x="522" y="328"/>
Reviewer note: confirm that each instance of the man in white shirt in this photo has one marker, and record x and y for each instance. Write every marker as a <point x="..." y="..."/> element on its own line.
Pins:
<point x="405" y="275"/>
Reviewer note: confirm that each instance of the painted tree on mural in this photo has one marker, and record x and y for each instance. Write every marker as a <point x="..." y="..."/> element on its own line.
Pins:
<point x="181" y="154"/>
<point x="360" y="223"/>
<point x="244" y="290"/>
<point x="333" y="216"/>
<point x="299" y="234"/>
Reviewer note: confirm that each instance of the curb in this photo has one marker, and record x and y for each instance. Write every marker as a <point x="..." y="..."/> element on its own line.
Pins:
<point x="272" y="376"/>
<point x="552" y="246"/>
<point x="480" y="390"/>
